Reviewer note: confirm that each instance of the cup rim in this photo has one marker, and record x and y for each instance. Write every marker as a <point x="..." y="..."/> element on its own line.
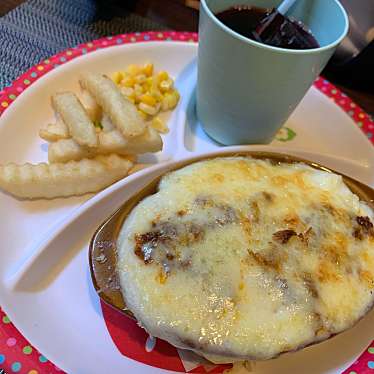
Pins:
<point x="279" y="49"/>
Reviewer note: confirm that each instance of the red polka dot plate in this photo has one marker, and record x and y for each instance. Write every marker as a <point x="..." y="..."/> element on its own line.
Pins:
<point x="45" y="287"/>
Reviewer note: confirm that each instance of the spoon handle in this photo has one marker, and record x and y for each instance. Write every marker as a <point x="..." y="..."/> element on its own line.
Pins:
<point x="284" y="7"/>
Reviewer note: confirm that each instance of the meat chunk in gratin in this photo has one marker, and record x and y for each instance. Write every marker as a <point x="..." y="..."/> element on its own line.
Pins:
<point x="238" y="258"/>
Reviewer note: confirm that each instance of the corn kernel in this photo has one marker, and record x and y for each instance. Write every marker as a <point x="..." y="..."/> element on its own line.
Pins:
<point x="166" y="85"/>
<point x="172" y="99"/>
<point x="131" y="99"/>
<point x="116" y="77"/>
<point x="138" y="89"/>
<point x="143" y="115"/>
<point x="155" y="92"/>
<point x="177" y="96"/>
<point x="162" y="75"/>
<point x="151" y="110"/>
<point x="146" y="85"/>
<point x="128" y="91"/>
<point x="159" y="125"/>
<point x="164" y="104"/>
<point x="133" y="69"/>
<point x="148" y="99"/>
<point x="149" y="91"/>
<point x="148" y="70"/>
<point x="128" y="81"/>
<point x="141" y="78"/>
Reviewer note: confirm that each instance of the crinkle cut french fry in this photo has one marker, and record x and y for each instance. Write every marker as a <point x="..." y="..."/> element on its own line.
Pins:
<point x="92" y="108"/>
<point x="150" y="141"/>
<point x="54" y="131"/>
<point x="114" y="142"/>
<point x="109" y="142"/>
<point x="122" y="113"/>
<point x="69" y="150"/>
<point x="106" y="123"/>
<point x="66" y="150"/>
<point x="81" y="128"/>
<point x="60" y="180"/>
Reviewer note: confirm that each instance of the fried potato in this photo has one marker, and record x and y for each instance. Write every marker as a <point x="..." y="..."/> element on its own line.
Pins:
<point x="109" y="142"/>
<point x="69" y="150"/>
<point x="60" y="180"/>
<point x="81" y="128"/>
<point x="106" y="123"/>
<point x="92" y="108"/>
<point x="66" y="150"/>
<point x="150" y="141"/>
<point x="122" y="113"/>
<point x="55" y="131"/>
<point x="114" y="142"/>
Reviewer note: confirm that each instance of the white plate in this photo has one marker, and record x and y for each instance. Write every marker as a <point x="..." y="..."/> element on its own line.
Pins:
<point x="45" y="286"/>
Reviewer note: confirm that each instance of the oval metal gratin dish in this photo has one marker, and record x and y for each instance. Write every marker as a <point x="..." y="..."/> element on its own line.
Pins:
<point x="103" y="246"/>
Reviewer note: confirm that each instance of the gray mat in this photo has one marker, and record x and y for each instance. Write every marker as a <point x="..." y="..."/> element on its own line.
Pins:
<point x="38" y="29"/>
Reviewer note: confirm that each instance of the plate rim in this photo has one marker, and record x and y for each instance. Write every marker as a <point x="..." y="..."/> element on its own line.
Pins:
<point x="10" y="93"/>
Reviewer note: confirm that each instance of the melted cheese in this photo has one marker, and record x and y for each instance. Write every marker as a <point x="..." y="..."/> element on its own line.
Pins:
<point x="237" y="258"/>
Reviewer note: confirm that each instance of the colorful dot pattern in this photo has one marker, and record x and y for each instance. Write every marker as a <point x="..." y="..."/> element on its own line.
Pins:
<point x="17" y="355"/>
<point x="364" y="364"/>
<point x="362" y="119"/>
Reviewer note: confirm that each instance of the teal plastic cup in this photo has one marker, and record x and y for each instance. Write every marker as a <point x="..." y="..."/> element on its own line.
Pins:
<point x="247" y="90"/>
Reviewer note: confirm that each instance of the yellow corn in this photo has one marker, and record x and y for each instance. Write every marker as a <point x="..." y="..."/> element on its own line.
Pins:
<point x="149" y="91"/>
<point x="128" y="81"/>
<point x="133" y="69"/>
<point x="144" y="115"/>
<point x="155" y="92"/>
<point x="149" y="81"/>
<point x="172" y="99"/>
<point x="164" y="104"/>
<point x="141" y="78"/>
<point x="162" y="75"/>
<point x="148" y="70"/>
<point x="116" y="77"/>
<point x="128" y="91"/>
<point x="166" y="85"/>
<point x="138" y="89"/>
<point x="151" y="110"/>
<point x="148" y="99"/>
<point x="131" y="99"/>
<point x="159" y="125"/>
<point x="176" y="97"/>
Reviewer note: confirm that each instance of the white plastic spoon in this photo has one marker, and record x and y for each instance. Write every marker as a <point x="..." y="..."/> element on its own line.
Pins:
<point x="285" y="6"/>
<point x="274" y="28"/>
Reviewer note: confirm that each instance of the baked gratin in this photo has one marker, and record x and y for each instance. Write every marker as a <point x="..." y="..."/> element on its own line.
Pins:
<point x="238" y="258"/>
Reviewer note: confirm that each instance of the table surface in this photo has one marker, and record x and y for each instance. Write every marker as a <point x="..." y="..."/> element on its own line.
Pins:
<point x="175" y="15"/>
